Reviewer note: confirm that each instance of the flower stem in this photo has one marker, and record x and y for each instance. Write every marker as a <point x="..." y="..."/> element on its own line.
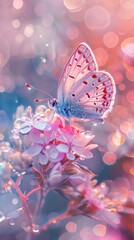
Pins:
<point x="54" y="220"/>
<point x="37" y="204"/>
<point x="32" y="192"/>
<point x="24" y="203"/>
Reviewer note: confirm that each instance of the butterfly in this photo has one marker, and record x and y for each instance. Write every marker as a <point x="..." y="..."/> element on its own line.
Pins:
<point x="83" y="91"/>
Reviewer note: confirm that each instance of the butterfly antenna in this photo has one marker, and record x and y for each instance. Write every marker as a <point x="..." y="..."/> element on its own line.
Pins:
<point x="30" y="87"/>
<point x="41" y="100"/>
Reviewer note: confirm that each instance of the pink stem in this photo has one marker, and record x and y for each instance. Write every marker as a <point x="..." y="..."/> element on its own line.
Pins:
<point x="32" y="192"/>
<point x="18" y="181"/>
<point x="54" y="220"/>
<point x="37" y="204"/>
<point x="23" y="200"/>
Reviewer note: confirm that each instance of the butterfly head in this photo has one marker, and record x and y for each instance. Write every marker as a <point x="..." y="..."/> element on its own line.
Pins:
<point x="52" y="103"/>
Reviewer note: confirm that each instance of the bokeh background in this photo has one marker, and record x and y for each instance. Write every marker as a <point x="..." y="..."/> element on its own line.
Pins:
<point x="36" y="39"/>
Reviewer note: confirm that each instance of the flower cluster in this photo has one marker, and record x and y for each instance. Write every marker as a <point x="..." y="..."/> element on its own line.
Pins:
<point x="50" y="149"/>
<point x="51" y="140"/>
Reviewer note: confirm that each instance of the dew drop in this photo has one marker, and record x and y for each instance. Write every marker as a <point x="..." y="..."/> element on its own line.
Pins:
<point x="54" y="153"/>
<point x="86" y="134"/>
<point x="12" y="222"/>
<point x="36" y="229"/>
<point x="29" y="88"/>
<point x="117" y="221"/>
<point x="44" y="60"/>
<point x="2" y="217"/>
<point x="15" y="201"/>
<point x="25" y="128"/>
<point x="103" y="185"/>
<point x="82" y="158"/>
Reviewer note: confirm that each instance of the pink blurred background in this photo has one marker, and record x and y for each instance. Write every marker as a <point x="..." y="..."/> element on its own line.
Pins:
<point x="36" y="39"/>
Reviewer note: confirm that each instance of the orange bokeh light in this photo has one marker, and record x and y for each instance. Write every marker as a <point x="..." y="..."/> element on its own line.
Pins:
<point x="127" y="47"/>
<point x="118" y="138"/>
<point x="71" y="227"/>
<point x="96" y="21"/>
<point x="130" y="97"/>
<point x="130" y="75"/>
<point x="109" y="158"/>
<point x="111" y="39"/>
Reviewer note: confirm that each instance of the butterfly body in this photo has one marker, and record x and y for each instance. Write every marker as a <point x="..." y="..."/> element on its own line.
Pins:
<point x="63" y="109"/>
<point x="83" y="91"/>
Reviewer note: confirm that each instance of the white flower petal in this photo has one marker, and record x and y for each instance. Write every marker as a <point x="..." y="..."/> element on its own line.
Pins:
<point x="55" y="179"/>
<point x="39" y="123"/>
<point x="62" y="148"/>
<point x="91" y="146"/>
<point x="83" y="151"/>
<point x="43" y="159"/>
<point x="34" y="149"/>
<point x="77" y="179"/>
<point x="70" y="156"/>
<point x="25" y="128"/>
<point x="36" y="136"/>
<point x="53" y="153"/>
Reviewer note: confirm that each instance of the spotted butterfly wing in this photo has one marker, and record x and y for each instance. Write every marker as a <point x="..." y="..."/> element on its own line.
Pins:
<point x="84" y="92"/>
<point x="81" y="62"/>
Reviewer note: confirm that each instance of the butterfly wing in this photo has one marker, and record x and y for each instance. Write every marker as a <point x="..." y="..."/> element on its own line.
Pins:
<point x="92" y="97"/>
<point x="84" y="92"/>
<point x="80" y="63"/>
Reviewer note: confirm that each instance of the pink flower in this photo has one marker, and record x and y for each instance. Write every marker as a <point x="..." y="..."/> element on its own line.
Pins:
<point x="73" y="142"/>
<point x="50" y="141"/>
<point x="43" y="144"/>
<point x="55" y="143"/>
